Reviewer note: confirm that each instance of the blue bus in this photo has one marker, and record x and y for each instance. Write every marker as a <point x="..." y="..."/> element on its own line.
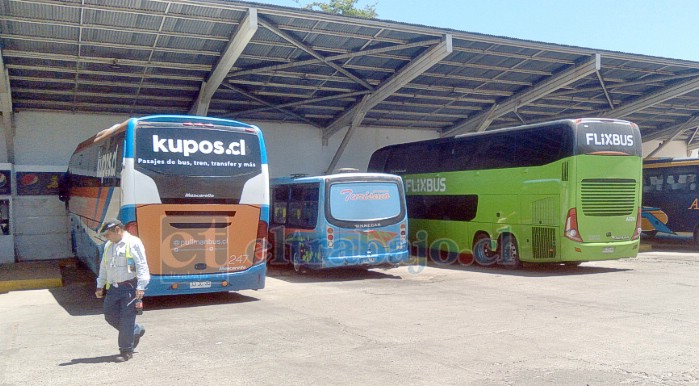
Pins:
<point x="338" y="220"/>
<point x="194" y="189"/>
<point x="671" y="197"/>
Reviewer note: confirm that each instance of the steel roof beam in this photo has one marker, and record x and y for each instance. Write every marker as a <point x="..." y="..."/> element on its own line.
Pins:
<point x="691" y="146"/>
<point x="672" y="130"/>
<point x="240" y="39"/>
<point x="304" y="47"/>
<point x="604" y="88"/>
<point x="374" y="51"/>
<point x="263" y="102"/>
<point x="401" y="78"/>
<point x="357" y="114"/>
<point x="676" y="131"/>
<point x="6" y="110"/>
<point x="356" y="122"/>
<point x="649" y="100"/>
<point x="304" y="102"/>
<point x="691" y="137"/>
<point x="481" y="121"/>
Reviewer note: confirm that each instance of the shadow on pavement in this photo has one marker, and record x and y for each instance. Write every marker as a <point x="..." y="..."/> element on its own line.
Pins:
<point x="670" y="243"/>
<point x="77" y="296"/>
<point x="194" y="300"/>
<point x="528" y="269"/>
<point x="102" y="359"/>
<point x="286" y="273"/>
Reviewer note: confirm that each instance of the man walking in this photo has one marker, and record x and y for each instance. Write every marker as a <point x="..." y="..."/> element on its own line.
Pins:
<point x="124" y="273"/>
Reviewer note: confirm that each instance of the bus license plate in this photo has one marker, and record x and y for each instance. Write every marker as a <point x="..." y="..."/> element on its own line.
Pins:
<point x="608" y="250"/>
<point x="200" y="284"/>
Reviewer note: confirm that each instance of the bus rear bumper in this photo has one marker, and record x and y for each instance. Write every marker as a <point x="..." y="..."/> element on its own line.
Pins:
<point x="251" y="279"/>
<point x="367" y="261"/>
<point x="599" y="251"/>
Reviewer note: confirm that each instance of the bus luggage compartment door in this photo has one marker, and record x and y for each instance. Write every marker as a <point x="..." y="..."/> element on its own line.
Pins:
<point x="194" y="239"/>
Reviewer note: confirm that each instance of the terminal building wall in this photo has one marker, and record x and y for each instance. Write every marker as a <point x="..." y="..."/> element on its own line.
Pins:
<point x="676" y="149"/>
<point x="44" y="142"/>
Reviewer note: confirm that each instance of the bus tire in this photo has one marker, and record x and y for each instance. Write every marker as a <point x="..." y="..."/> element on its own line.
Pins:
<point x="509" y="251"/>
<point x="481" y="250"/>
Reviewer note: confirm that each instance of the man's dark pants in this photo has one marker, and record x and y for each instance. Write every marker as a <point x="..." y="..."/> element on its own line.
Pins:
<point x="120" y="313"/>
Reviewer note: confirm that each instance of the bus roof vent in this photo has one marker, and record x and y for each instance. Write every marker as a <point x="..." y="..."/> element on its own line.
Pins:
<point x="346" y="170"/>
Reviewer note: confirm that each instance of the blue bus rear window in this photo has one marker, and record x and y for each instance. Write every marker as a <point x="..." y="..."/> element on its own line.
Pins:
<point x="364" y="201"/>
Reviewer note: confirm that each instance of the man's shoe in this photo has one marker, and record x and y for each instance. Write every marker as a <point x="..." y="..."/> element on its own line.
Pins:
<point x="137" y="338"/>
<point x="123" y="357"/>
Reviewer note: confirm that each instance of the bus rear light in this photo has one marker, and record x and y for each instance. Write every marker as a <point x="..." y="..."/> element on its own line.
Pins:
<point x="637" y="231"/>
<point x="132" y="228"/>
<point x="174" y="286"/>
<point x="329" y="237"/>
<point x="260" y="252"/>
<point x="224" y="284"/>
<point x="571" y="229"/>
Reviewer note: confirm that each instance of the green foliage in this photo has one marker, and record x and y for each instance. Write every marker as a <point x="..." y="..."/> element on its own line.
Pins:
<point x="343" y="7"/>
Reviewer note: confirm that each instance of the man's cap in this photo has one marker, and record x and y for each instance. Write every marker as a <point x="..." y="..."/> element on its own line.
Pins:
<point x="109" y="224"/>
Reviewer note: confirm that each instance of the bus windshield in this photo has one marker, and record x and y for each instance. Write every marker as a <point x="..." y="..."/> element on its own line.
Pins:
<point x="364" y="201"/>
<point x="178" y="158"/>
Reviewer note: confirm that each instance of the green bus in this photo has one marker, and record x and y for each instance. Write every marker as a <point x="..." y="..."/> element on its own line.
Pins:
<point x="566" y="191"/>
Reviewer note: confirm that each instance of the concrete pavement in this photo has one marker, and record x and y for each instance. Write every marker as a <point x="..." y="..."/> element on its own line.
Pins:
<point x="632" y="321"/>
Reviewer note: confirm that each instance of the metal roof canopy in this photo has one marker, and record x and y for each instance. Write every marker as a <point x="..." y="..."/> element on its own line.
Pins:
<point x="267" y="63"/>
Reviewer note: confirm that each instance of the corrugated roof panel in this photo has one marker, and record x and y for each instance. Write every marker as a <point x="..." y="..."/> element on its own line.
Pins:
<point x="42" y="95"/>
<point x="46" y="46"/>
<point x="120" y="19"/>
<point x="43" y="12"/>
<point x="199" y="27"/>
<point x="181" y="59"/>
<point x="332" y="44"/>
<point x="171" y="84"/>
<point x="128" y="5"/>
<point x="92" y="35"/>
<point x="399" y="35"/>
<point x="39" y="48"/>
<point x="56" y="85"/>
<point x="113" y="69"/>
<point x="205" y="11"/>
<point x="96" y="50"/>
<point x="184" y="43"/>
<point x="107" y="89"/>
<point x="26" y="30"/>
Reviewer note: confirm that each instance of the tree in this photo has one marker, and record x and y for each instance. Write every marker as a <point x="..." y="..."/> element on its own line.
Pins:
<point x="343" y="7"/>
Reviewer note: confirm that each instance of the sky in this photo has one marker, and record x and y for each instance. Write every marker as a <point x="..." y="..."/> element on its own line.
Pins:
<point x="664" y="28"/>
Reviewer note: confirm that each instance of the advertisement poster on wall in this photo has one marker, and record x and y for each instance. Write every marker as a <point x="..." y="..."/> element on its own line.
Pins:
<point x="37" y="183"/>
<point x="5" y="182"/>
